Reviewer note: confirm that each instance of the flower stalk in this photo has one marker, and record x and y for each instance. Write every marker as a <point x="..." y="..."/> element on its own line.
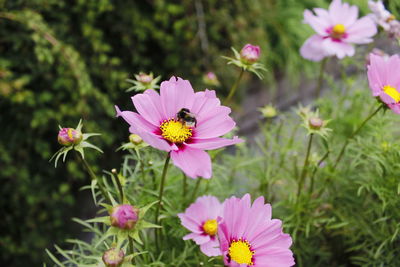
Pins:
<point x="234" y="86"/>
<point x="321" y="77"/>
<point x="160" y="196"/>
<point x="305" y="166"/>
<point x="341" y="153"/>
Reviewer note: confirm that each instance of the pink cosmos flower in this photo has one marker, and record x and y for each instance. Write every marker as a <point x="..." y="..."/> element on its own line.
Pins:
<point x="202" y="219"/>
<point x="337" y="29"/>
<point x="249" y="237"/>
<point x="124" y="216"/>
<point x="384" y="80"/>
<point x="250" y="53"/>
<point x="186" y="135"/>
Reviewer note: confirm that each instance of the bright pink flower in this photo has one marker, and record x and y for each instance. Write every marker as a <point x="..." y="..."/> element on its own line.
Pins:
<point x="337" y="30"/>
<point x="202" y="219"/>
<point x="250" y="53"/>
<point x="69" y="136"/>
<point x="124" y="216"/>
<point x="158" y="124"/>
<point x="384" y="80"/>
<point x="249" y="237"/>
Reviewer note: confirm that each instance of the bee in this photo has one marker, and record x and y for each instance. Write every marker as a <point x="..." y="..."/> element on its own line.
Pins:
<point x="186" y="118"/>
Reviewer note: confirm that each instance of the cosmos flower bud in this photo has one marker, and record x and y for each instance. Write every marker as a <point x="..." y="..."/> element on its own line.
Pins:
<point x="250" y="53"/>
<point x="144" y="78"/>
<point x="69" y="136"/>
<point x="135" y="139"/>
<point x="268" y="111"/>
<point x="211" y="79"/>
<point x="113" y="257"/>
<point x="315" y="123"/>
<point x="124" y="216"/>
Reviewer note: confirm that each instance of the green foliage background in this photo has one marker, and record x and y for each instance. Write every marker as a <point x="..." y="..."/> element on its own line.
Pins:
<point x="63" y="60"/>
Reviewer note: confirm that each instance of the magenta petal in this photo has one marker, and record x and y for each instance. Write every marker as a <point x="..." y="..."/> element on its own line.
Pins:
<point x="176" y="94"/>
<point x="312" y="49"/>
<point x="193" y="162"/>
<point x="149" y="106"/>
<point x="211" y="249"/>
<point x="213" y="143"/>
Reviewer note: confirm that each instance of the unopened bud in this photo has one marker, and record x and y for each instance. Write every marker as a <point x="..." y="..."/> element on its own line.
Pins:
<point x="250" y="53"/>
<point x="124" y="216"/>
<point x="144" y="78"/>
<point x="135" y="139"/>
<point x="113" y="257"/>
<point x="69" y="136"/>
<point x="315" y="123"/>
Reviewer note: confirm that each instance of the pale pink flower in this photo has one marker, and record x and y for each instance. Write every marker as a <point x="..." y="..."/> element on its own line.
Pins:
<point x="380" y="15"/>
<point x="158" y="124"/>
<point x="124" y="216"/>
<point x="249" y="237"/>
<point x="201" y="218"/>
<point x="384" y="80"/>
<point x="337" y="29"/>
<point x="250" y="53"/>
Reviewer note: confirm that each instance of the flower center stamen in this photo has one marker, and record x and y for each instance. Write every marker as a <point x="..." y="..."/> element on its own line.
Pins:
<point x="174" y="131"/>
<point x="392" y="92"/>
<point x="210" y="227"/>
<point x="240" y="252"/>
<point x="338" y="31"/>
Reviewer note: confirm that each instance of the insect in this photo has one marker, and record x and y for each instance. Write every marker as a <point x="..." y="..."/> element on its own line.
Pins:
<point x="186" y="118"/>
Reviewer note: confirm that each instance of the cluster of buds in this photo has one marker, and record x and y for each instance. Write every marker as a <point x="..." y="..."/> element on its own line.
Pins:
<point x="268" y="111"/>
<point x="313" y="122"/>
<point x="73" y="139"/>
<point x="384" y="18"/>
<point x="124" y="216"/>
<point x="211" y="79"/>
<point x="143" y="81"/>
<point x="247" y="59"/>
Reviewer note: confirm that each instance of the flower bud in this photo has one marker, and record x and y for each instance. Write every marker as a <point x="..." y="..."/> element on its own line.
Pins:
<point x="250" y="53"/>
<point x="144" y="78"/>
<point x="135" y="139"/>
<point x="113" y="257"/>
<point x="69" y="136"/>
<point x="268" y="111"/>
<point x="124" y="216"/>
<point x="315" y="123"/>
<point x="211" y="79"/>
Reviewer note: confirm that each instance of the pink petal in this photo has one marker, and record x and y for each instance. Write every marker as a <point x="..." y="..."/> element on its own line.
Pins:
<point x="199" y="239"/>
<point x="211" y="248"/>
<point x="393" y="77"/>
<point x="190" y="223"/>
<point x="213" y="143"/>
<point x="317" y="23"/>
<point x="395" y="108"/>
<point x="275" y="257"/>
<point x="312" y="49"/>
<point x="154" y="140"/>
<point x="386" y="98"/>
<point x="362" y="31"/>
<point x="204" y="104"/>
<point x="215" y="124"/>
<point x="193" y="162"/>
<point x="343" y="13"/>
<point x="136" y="121"/>
<point x="176" y="94"/>
<point x="340" y="49"/>
<point x="148" y="105"/>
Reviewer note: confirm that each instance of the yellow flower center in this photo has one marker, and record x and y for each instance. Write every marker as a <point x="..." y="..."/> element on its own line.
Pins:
<point x="338" y="31"/>
<point x="210" y="227"/>
<point x="240" y="252"/>
<point x="70" y="134"/>
<point x="390" y="18"/>
<point x="392" y="92"/>
<point x="174" y="131"/>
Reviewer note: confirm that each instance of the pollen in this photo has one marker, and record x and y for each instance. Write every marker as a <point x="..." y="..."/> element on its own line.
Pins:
<point x="174" y="131"/>
<point x="338" y="31"/>
<point x="210" y="227"/>
<point x="240" y="251"/>
<point x="392" y="92"/>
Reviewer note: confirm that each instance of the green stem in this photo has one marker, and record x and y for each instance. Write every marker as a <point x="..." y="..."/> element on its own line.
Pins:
<point x="184" y="185"/>
<point x="131" y="249"/>
<point x="315" y="170"/>
<point x="119" y="185"/>
<point x="196" y="188"/>
<point x="94" y="177"/>
<point x="354" y="134"/>
<point x="234" y="86"/>
<point x="160" y="196"/>
<point x="320" y="77"/>
<point x="305" y="166"/>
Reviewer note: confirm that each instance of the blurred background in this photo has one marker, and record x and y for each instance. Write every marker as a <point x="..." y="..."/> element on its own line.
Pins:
<point x="65" y="60"/>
